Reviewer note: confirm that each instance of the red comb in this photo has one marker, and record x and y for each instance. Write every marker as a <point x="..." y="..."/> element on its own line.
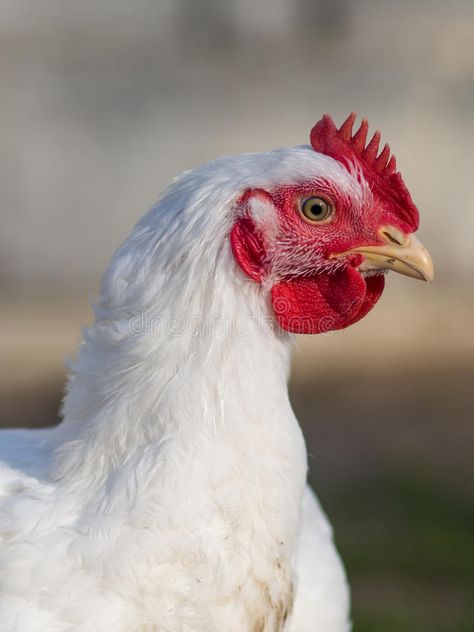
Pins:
<point x="379" y="169"/>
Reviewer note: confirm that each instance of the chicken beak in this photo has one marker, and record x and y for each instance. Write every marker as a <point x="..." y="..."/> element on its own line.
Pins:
<point x="402" y="253"/>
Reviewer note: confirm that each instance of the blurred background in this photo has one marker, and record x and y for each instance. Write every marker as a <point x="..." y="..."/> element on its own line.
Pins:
<point x="103" y="102"/>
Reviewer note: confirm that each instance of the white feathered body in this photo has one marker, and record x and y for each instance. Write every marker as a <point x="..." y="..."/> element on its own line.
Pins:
<point x="172" y="496"/>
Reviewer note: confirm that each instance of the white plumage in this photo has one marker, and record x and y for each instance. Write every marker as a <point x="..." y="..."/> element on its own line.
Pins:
<point x="172" y="496"/>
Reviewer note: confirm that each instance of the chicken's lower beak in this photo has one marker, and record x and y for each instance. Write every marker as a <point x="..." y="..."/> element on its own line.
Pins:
<point x="402" y="253"/>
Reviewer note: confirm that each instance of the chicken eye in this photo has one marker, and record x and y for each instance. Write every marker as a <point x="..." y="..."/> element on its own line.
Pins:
<point x="315" y="209"/>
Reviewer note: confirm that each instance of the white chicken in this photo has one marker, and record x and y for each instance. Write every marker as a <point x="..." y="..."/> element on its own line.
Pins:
<point x="173" y="497"/>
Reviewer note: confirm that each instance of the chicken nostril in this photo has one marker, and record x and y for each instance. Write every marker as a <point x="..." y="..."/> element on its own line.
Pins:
<point x="394" y="236"/>
<point x="390" y="238"/>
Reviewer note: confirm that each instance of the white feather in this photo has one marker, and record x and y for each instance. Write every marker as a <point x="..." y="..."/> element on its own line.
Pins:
<point x="171" y="496"/>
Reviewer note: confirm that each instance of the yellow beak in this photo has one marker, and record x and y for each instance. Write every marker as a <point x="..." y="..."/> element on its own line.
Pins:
<point x="402" y="253"/>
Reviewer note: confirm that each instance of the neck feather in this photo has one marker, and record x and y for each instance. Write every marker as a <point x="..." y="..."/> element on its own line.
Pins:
<point x="155" y="378"/>
<point x="184" y="351"/>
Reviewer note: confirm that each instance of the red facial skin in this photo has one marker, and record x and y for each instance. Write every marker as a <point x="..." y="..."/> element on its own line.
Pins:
<point x="312" y="292"/>
<point x="310" y="302"/>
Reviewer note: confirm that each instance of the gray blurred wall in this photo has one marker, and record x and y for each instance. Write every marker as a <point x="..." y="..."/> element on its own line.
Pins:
<point x="103" y="102"/>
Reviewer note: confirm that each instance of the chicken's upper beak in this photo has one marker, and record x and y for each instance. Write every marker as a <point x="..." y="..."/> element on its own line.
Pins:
<point x="402" y="253"/>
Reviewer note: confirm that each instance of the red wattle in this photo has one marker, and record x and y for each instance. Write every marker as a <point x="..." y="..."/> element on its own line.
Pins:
<point x="325" y="302"/>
